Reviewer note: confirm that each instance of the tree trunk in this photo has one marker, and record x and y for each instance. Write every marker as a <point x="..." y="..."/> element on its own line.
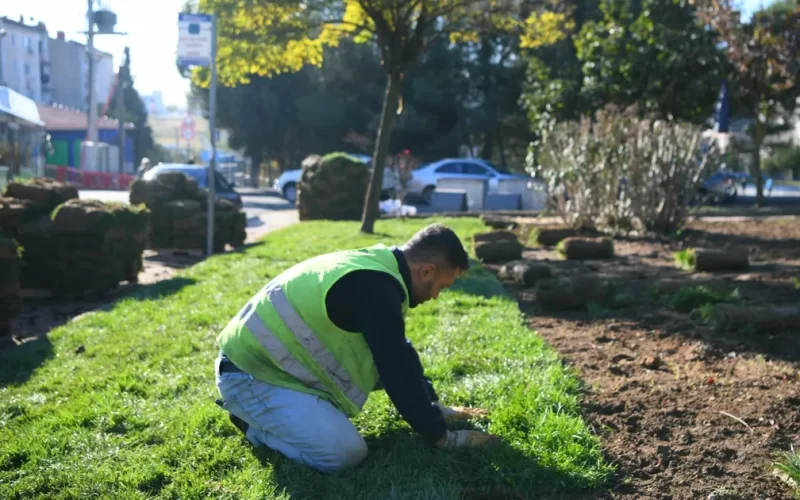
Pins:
<point x="501" y="146"/>
<point x="255" y="168"/>
<point x="760" y="130"/>
<point x="489" y="109"/>
<point x="394" y="86"/>
<point x="756" y="170"/>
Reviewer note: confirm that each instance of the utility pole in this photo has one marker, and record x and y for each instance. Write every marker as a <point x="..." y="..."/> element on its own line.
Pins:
<point x="121" y="85"/>
<point x="197" y="46"/>
<point x="91" y="132"/>
<point x="212" y="111"/>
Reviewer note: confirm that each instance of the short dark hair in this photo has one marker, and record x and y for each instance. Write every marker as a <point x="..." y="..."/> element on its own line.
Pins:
<point x="437" y="244"/>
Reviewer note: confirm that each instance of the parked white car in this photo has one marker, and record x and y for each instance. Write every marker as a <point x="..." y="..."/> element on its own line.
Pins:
<point x="286" y="183"/>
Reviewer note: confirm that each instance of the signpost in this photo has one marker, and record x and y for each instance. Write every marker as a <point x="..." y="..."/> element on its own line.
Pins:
<point x="197" y="46"/>
<point x="187" y="130"/>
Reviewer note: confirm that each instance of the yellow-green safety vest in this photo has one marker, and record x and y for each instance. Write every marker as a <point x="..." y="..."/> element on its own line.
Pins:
<point x="284" y="336"/>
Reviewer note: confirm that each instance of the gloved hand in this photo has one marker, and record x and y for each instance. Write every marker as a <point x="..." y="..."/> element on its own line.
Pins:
<point x="456" y="413"/>
<point x="459" y="439"/>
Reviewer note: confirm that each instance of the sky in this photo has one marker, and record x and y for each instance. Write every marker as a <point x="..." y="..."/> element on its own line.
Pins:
<point x="152" y="35"/>
<point x="152" y="27"/>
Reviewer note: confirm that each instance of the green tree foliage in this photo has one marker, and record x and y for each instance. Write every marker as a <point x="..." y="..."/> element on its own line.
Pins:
<point x="764" y="66"/>
<point x="269" y="37"/>
<point x="644" y="52"/>
<point x="654" y="53"/>
<point x="553" y="89"/>
<point x="136" y="113"/>
<point x="337" y="107"/>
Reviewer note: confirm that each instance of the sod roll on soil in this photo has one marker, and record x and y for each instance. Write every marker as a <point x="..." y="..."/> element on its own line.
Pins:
<point x="25" y="215"/>
<point x="10" y="299"/>
<point x="179" y="214"/>
<point x="576" y="248"/>
<point x="97" y="246"/>
<point x="45" y="194"/>
<point x="720" y="260"/>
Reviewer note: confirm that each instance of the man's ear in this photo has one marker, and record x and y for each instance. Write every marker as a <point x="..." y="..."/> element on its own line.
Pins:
<point x="428" y="271"/>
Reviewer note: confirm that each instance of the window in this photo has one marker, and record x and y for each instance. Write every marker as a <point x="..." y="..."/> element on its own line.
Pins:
<point x="501" y="170"/>
<point x="222" y="185"/>
<point x="475" y="169"/>
<point x="27" y="69"/>
<point x="449" y="168"/>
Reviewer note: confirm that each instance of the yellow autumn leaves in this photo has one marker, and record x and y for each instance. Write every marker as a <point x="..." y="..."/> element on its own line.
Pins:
<point x="265" y="38"/>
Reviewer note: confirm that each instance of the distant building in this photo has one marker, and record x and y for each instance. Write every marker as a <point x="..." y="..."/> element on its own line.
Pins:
<point x="155" y="103"/>
<point x="68" y="128"/>
<point x="24" y="59"/>
<point x="51" y="70"/>
<point x="70" y="70"/>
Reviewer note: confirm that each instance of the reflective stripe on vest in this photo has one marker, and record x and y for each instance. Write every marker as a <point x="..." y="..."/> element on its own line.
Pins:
<point x="307" y="338"/>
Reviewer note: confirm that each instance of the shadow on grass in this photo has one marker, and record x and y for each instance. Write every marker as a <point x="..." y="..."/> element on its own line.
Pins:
<point x="39" y="316"/>
<point x="17" y="362"/>
<point x="160" y="290"/>
<point x="400" y="465"/>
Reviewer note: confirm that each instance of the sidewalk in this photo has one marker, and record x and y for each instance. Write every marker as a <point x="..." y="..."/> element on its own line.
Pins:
<point x="259" y="191"/>
<point x="258" y="227"/>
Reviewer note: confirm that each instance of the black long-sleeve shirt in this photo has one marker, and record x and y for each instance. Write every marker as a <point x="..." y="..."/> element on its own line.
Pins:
<point x="370" y="302"/>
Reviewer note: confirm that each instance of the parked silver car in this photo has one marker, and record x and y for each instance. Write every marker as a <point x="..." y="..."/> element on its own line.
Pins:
<point x="423" y="180"/>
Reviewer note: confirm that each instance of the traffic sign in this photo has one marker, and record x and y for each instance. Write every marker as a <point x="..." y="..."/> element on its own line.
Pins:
<point x="195" y="34"/>
<point x="187" y="128"/>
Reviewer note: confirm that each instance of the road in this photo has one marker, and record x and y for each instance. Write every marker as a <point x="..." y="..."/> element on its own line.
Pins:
<point x="264" y="208"/>
<point x="780" y="195"/>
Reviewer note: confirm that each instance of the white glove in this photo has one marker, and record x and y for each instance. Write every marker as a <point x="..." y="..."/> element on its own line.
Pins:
<point x="455" y="413"/>
<point x="460" y="439"/>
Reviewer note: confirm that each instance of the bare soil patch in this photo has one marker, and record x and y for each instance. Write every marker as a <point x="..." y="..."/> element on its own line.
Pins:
<point x="684" y="411"/>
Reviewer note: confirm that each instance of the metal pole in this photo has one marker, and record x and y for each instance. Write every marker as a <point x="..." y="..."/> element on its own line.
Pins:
<point x="212" y="112"/>
<point x="2" y="34"/>
<point x="91" y="136"/>
<point x="121" y="115"/>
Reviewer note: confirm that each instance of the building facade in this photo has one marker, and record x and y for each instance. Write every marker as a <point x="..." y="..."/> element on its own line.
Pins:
<point x="70" y="66"/>
<point x="24" y="59"/>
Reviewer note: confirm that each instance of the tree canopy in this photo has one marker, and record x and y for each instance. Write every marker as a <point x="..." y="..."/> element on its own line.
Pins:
<point x="264" y="38"/>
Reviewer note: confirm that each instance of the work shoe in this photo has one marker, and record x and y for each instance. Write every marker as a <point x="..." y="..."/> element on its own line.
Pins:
<point x="236" y="421"/>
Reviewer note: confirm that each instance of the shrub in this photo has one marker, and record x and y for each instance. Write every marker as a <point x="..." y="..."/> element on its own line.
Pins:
<point x="621" y="172"/>
<point x="783" y="160"/>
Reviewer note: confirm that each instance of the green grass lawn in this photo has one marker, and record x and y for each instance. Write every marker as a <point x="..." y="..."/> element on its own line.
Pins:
<point x="131" y="414"/>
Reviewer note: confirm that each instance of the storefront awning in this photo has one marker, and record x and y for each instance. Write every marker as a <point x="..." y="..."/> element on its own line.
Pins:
<point x="17" y="105"/>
